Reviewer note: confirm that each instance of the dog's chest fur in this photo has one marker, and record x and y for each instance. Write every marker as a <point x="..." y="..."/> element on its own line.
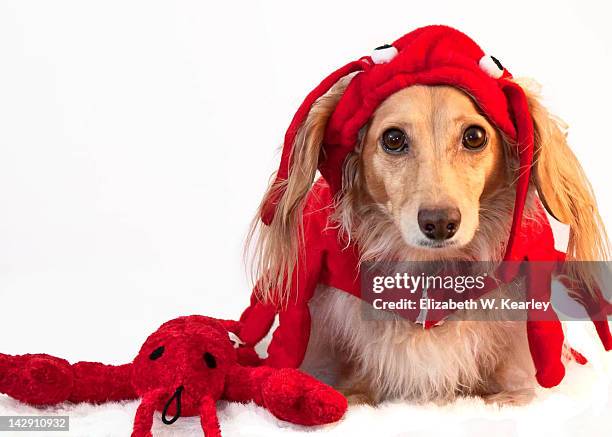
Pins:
<point x="360" y="349"/>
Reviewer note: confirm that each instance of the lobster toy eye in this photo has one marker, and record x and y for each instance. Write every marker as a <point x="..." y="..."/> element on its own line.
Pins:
<point x="210" y="360"/>
<point x="157" y="353"/>
<point x="394" y="141"/>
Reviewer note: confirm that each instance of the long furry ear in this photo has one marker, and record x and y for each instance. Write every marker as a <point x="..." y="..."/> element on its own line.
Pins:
<point x="563" y="187"/>
<point x="273" y="248"/>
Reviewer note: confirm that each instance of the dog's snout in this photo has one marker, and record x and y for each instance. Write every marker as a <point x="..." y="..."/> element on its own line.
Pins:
<point x="439" y="223"/>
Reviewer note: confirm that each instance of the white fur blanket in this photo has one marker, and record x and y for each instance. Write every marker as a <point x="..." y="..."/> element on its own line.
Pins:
<point x="581" y="405"/>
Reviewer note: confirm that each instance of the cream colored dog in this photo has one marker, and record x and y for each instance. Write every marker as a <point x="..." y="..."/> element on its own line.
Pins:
<point x="458" y="172"/>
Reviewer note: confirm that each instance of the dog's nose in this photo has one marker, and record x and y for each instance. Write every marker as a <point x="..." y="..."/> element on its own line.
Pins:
<point x="439" y="223"/>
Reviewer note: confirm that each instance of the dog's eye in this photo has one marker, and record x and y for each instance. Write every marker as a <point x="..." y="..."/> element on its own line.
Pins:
<point x="210" y="360"/>
<point x="394" y="140"/>
<point x="157" y="353"/>
<point x="474" y="138"/>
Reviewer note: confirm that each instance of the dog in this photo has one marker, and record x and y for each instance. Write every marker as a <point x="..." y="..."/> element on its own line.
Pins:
<point x="431" y="179"/>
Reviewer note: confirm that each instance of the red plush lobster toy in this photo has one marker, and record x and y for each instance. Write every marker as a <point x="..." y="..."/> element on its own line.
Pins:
<point x="183" y="368"/>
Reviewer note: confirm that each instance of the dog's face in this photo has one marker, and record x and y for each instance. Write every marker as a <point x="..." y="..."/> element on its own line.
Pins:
<point x="441" y="172"/>
<point x="428" y="158"/>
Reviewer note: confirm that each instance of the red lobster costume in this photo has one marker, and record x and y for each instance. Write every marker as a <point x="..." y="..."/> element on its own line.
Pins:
<point x="183" y="368"/>
<point x="433" y="55"/>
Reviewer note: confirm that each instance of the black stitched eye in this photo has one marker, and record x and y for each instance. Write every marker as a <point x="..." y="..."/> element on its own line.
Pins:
<point x="474" y="138"/>
<point x="496" y="61"/>
<point x="157" y="353"/>
<point x="210" y="360"/>
<point x="394" y="140"/>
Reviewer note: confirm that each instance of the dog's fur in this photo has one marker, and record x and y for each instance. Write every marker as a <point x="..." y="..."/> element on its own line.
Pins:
<point x="377" y="209"/>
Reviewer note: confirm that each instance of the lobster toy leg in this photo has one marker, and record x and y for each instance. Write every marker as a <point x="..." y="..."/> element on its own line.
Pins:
<point x="208" y="417"/>
<point x="36" y="379"/>
<point x="143" y="422"/>
<point x="299" y="398"/>
<point x="40" y="379"/>
<point x="289" y="394"/>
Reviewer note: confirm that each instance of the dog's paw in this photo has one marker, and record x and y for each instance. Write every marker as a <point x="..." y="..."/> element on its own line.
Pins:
<point x="514" y="398"/>
<point x="359" y="399"/>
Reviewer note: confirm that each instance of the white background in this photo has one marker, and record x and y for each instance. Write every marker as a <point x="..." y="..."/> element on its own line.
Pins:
<point x="136" y="139"/>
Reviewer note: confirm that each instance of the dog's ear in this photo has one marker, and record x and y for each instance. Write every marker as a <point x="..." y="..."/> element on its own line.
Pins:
<point x="563" y="187"/>
<point x="275" y="250"/>
<point x="307" y="150"/>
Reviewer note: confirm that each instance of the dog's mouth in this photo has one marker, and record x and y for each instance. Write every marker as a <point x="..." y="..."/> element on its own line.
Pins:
<point x="437" y="244"/>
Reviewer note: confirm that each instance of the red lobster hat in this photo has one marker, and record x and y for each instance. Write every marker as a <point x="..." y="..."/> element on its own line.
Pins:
<point x="432" y="55"/>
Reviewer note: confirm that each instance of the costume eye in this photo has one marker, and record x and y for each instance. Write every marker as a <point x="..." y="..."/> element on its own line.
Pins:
<point x="210" y="360"/>
<point x="384" y="54"/>
<point x="156" y="353"/>
<point x="491" y="66"/>
<point x="474" y="138"/>
<point x="394" y="141"/>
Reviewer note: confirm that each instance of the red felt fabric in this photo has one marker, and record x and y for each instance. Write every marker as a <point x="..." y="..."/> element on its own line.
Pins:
<point x="298" y="119"/>
<point x="603" y="330"/>
<point x="296" y="397"/>
<point x="37" y="379"/>
<point x="578" y="357"/>
<point x="287" y="393"/>
<point x="208" y="417"/>
<point x="41" y="379"/>
<point x="143" y="421"/>
<point x="519" y="107"/>
<point x="432" y="55"/>
<point x="544" y="331"/>
<point x="97" y="383"/>
<point x="597" y="307"/>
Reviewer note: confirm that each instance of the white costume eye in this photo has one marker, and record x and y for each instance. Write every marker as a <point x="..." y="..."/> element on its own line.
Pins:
<point x="383" y="54"/>
<point x="491" y="66"/>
